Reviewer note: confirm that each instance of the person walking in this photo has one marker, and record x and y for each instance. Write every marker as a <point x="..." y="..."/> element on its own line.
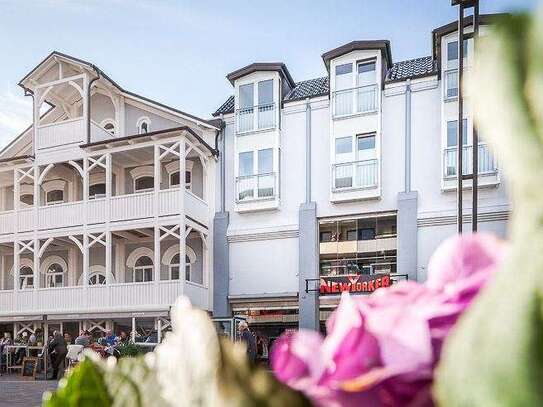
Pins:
<point x="247" y="336"/>
<point x="57" y="352"/>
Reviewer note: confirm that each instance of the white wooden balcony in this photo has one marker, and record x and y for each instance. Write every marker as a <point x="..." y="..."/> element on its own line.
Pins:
<point x="68" y="133"/>
<point x="102" y="298"/>
<point x="136" y="206"/>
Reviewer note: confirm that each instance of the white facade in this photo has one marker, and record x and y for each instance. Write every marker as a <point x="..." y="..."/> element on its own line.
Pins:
<point x="358" y="163"/>
<point x="93" y="224"/>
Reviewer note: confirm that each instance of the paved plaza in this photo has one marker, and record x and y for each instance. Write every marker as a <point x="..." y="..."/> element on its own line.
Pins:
<point x="16" y="392"/>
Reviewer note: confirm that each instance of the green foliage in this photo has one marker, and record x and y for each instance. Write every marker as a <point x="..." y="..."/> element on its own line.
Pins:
<point x="83" y="387"/>
<point x="494" y="357"/>
<point x="129" y="349"/>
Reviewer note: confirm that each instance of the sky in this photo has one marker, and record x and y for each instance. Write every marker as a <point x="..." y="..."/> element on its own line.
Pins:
<point x="179" y="52"/>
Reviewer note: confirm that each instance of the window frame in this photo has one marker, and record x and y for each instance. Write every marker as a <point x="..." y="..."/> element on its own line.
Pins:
<point x="139" y="125"/>
<point x="143" y="269"/>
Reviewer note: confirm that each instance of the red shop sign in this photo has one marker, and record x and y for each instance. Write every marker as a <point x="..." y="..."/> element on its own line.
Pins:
<point x="355" y="283"/>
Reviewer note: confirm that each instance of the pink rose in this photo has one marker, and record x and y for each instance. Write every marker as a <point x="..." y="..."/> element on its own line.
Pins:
<point x="381" y="349"/>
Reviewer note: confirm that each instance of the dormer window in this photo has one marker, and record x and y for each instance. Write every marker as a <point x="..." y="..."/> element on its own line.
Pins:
<point x="344" y="78"/>
<point x="144" y="125"/>
<point x="261" y="116"/>
<point x="109" y="126"/>
<point x="358" y="94"/>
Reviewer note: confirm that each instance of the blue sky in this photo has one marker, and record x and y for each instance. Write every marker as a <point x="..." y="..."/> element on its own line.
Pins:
<point x="178" y="52"/>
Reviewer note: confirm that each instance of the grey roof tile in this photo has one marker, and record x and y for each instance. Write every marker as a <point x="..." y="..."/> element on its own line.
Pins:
<point x="310" y="88"/>
<point x="411" y="69"/>
<point x="226" y="107"/>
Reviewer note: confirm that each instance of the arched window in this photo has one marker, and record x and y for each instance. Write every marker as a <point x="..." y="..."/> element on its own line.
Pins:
<point x="172" y="260"/>
<point x="143" y="178"/>
<point x="143" y="270"/>
<point x="54" y="191"/>
<point x="97" y="278"/>
<point x="54" y="269"/>
<point x="173" y="172"/>
<point x="144" y="125"/>
<point x="26" y="277"/>
<point x="109" y="126"/>
<point x="54" y="276"/>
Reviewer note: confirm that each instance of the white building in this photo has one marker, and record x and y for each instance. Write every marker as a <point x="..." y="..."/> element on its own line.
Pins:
<point x="349" y="176"/>
<point x="94" y="216"/>
<point x="293" y="186"/>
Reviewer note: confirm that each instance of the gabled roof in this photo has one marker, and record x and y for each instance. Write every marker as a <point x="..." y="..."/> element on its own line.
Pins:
<point x="412" y="69"/>
<point x="382" y="45"/>
<point x="262" y="66"/>
<point x="102" y="74"/>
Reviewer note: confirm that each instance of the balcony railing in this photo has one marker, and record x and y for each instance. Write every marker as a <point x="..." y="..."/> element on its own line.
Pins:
<point x="254" y="118"/>
<point x="487" y="163"/>
<point x="362" y="99"/>
<point x="255" y="187"/>
<point x="355" y="175"/>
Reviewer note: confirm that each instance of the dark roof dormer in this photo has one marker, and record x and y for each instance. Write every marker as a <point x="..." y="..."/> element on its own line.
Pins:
<point x="382" y="45"/>
<point x="262" y="66"/>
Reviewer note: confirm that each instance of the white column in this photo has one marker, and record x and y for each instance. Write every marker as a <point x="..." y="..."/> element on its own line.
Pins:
<point x="16" y="190"/>
<point x="109" y="271"/>
<point x="156" y="260"/>
<point x="182" y="239"/>
<point x="133" y="332"/>
<point x="85" y="259"/>
<point x="157" y="174"/>
<point x="16" y="261"/>
<point x="36" y="270"/>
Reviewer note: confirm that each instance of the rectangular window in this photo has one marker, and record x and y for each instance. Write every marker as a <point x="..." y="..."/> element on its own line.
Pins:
<point x="265" y="92"/>
<point x="344" y="78"/>
<point x="366" y="142"/>
<point x="451" y="133"/>
<point x="326" y="236"/>
<point x="452" y="84"/>
<point x="265" y="161"/>
<point x="452" y="50"/>
<point x="344" y="145"/>
<point x="246" y="164"/>
<point x="246" y="96"/>
<point x="366" y="73"/>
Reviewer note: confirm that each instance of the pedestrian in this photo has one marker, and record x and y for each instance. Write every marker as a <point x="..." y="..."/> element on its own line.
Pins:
<point x="247" y="336"/>
<point x="57" y="352"/>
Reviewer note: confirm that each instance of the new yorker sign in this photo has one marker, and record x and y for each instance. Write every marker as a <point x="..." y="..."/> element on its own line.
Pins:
<point x="354" y="283"/>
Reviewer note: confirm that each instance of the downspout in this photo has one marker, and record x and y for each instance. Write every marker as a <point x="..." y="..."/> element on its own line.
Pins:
<point x="407" y="185"/>
<point x="308" y="151"/>
<point x="89" y="102"/>
<point x="222" y="156"/>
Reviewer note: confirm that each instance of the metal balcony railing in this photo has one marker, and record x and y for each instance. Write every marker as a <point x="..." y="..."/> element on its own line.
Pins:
<point x="255" y="187"/>
<point x="355" y="174"/>
<point x="362" y="99"/>
<point x="254" y="118"/>
<point x="487" y="163"/>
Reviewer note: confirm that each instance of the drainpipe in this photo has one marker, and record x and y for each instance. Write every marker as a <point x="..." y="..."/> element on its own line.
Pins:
<point x="408" y="136"/>
<point x="308" y="151"/>
<point x="89" y="102"/>
<point x="222" y="156"/>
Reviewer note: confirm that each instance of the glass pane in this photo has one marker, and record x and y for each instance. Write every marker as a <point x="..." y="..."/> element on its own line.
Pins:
<point x="144" y="261"/>
<point x="55" y="196"/>
<point x="148" y="274"/>
<point x="138" y="276"/>
<point x="344" y="76"/>
<point x="97" y="189"/>
<point x="246" y="96"/>
<point x="174" y="270"/>
<point x="366" y="74"/>
<point x="174" y="178"/>
<point x="265" y="161"/>
<point x="144" y="183"/>
<point x="452" y="84"/>
<point x="265" y="92"/>
<point x="366" y="143"/>
<point x="343" y="145"/>
<point x="246" y="163"/>
<point x="452" y="50"/>
<point x="27" y="199"/>
<point x="451" y="133"/>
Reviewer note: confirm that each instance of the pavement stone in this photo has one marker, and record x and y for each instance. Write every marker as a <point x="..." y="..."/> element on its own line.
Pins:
<point x="16" y="392"/>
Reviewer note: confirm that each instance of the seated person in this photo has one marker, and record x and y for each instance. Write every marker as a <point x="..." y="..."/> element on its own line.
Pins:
<point x="83" y="339"/>
<point x="109" y="338"/>
<point x="123" y="338"/>
<point x="20" y="353"/>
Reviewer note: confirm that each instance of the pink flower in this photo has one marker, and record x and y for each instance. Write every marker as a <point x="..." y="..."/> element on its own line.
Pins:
<point x="381" y="349"/>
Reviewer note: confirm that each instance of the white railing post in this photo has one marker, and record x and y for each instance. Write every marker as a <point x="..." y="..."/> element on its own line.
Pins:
<point x="36" y="270"/>
<point x="85" y="259"/>
<point x="16" y="262"/>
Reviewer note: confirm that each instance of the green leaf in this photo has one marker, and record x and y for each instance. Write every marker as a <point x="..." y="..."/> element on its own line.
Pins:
<point x="83" y="387"/>
<point x="494" y="356"/>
